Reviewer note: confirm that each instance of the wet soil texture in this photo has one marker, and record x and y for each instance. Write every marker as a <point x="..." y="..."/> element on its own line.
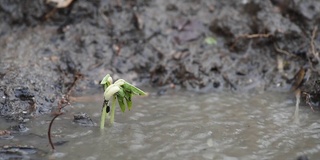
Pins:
<point x="200" y="45"/>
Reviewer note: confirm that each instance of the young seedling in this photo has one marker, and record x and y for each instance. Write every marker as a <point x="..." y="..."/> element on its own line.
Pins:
<point x="105" y="82"/>
<point x="119" y="90"/>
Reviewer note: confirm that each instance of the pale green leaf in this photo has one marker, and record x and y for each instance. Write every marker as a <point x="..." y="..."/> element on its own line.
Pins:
<point x="210" y="40"/>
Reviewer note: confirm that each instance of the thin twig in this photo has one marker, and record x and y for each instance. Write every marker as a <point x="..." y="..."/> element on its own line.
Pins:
<point x="283" y="51"/>
<point x="50" y="13"/>
<point x="254" y="36"/>
<point x="225" y="77"/>
<point x="49" y="130"/>
<point x="313" y="50"/>
<point x="250" y="36"/>
<point x="64" y="101"/>
<point x="76" y="78"/>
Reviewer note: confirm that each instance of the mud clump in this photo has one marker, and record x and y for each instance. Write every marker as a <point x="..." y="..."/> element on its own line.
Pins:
<point x="20" y="152"/>
<point x="260" y="46"/>
<point x="83" y="120"/>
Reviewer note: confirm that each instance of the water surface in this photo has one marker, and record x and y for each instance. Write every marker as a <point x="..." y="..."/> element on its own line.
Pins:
<point x="184" y="126"/>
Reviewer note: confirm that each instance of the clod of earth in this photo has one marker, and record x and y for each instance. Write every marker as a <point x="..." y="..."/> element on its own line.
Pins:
<point x="20" y="152"/>
<point x="83" y="119"/>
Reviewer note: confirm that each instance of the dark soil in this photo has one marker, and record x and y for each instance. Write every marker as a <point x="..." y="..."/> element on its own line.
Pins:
<point x="260" y="46"/>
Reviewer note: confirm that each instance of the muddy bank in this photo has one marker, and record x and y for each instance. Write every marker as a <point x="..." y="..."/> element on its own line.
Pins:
<point x="260" y="45"/>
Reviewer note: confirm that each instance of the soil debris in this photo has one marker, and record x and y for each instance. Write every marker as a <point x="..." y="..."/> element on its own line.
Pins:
<point x="260" y="45"/>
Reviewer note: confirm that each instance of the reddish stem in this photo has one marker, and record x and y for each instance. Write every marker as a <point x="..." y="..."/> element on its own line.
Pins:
<point x="49" y="130"/>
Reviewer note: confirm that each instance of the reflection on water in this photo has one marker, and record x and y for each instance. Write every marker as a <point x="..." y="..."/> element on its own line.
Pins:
<point x="185" y="126"/>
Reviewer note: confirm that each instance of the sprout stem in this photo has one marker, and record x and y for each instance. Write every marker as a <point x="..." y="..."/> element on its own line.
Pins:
<point x="113" y="108"/>
<point x="103" y="116"/>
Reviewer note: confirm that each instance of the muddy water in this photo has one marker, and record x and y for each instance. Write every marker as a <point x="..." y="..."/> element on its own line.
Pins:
<point x="184" y="126"/>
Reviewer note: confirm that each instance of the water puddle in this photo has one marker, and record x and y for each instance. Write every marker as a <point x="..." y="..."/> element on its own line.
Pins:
<point x="182" y="126"/>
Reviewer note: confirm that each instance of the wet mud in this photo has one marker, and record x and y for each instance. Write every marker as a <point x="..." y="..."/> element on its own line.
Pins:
<point x="258" y="46"/>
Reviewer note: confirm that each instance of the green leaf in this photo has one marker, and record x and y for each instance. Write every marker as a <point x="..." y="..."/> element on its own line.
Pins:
<point x="129" y="87"/>
<point x="121" y="103"/>
<point x="210" y="40"/>
<point x="128" y="98"/>
<point x="106" y="81"/>
<point x="120" y="97"/>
